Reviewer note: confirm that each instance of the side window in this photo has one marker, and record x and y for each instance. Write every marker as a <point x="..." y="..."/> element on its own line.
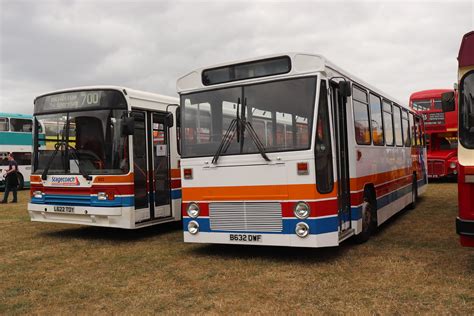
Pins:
<point x="21" y="125"/>
<point x="406" y="129"/>
<point x="412" y="130"/>
<point x="388" y="123"/>
<point x="397" y="117"/>
<point x="418" y="131"/>
<point x="4" y="124"/>
<point x="376" y="122"/>
<point x="361" y="116"/>
<point x="323" y="150"/>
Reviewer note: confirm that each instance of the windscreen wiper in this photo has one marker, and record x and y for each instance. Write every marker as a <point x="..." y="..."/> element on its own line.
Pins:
<point x="256" y="140"/>
<point x="229" y="135"/>
<point x="253" y="134"/>
<point x="226" y="140"/>
<point x="76" y="160"/>
<point x="58" y="145"/>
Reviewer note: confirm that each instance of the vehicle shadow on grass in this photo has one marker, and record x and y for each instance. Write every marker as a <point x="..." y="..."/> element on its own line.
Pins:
<point x="114" y="234"/>
<point x="272" y="253"/>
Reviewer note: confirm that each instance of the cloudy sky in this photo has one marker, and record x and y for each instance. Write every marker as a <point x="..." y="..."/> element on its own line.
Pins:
<point x="399" y="47"/>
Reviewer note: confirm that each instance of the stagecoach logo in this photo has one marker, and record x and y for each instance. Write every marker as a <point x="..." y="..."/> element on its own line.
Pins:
<point x="65" y="180"/>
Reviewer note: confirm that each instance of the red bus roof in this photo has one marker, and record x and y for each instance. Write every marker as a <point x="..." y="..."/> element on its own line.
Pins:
<point x="466" y="51"/>
<point x="429" y="94"/>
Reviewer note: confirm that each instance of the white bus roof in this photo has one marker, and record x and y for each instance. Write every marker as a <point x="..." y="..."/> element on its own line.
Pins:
<point x="301" y="63"/>
<point x="132" y="93"/>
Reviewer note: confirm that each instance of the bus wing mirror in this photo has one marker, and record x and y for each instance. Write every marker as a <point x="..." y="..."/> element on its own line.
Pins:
<point x="447" y="102"/>
<point x="344" y="89"/>
<point x="127" y="126"/>
<point x="169" y="120"/>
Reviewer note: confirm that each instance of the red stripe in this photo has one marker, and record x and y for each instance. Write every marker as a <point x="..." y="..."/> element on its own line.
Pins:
<point x="118" y="189"/>
<point x="176" y="184"/>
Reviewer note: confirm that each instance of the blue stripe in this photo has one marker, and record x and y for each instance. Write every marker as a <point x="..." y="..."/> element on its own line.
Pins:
<point x="83" y="200"/>
<point x="392" y="197"/>
<point x="316" y="226"/>
<point x="175" y="194"/>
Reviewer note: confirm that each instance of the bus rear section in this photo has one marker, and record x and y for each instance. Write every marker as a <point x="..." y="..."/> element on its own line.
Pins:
<point x="109" y="158"/>
<point x="465" y="220"/>
<point x="441" y="131"/>
<point x="16" y="138"/>
<point x="275" y="153"/>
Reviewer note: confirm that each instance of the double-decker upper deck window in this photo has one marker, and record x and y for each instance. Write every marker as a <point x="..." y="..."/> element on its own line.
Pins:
<point x="422" y="105"/>
<point x="361" y="116"/>
<point x="21" y="125"/>
<point x="3" y="124"/>
<point x="254" y="69"/>
<point x="376" y="120"/>
<point x="388" y="123"/>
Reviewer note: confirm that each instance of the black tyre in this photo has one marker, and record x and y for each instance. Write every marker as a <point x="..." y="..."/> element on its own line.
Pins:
<point x="368" y="220"/>
<point x="21" y="182"/>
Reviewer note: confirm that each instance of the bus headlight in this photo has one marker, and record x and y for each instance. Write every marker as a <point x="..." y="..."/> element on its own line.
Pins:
<point x="193" y="227"/>
<point x="38" y="194"/>
<point x="193" y="210"/>
<point x="452" y="165"/>
<point x="101" y="196"/>
<point x="302" y="210"/>
<point x="302" y="229"/>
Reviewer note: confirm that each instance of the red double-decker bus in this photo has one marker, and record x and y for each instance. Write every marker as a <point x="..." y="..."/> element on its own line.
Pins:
<point x="465" y="221"/>
<point x="441" y="132"/>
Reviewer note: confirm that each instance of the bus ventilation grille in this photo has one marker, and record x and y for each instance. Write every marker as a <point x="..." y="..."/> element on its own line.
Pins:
<point x="246" y="216"/>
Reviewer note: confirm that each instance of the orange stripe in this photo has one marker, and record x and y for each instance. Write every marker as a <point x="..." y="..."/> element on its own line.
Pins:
<point x="256" y="192"/>
<point x="175" y="173"/>
<point x="359" y="183"/>
<point x="34" y="178"/>
<point x="114" y="179"/>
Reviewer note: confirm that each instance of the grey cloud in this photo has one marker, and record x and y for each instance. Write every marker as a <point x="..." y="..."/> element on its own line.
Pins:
<point x="399" y="47"/>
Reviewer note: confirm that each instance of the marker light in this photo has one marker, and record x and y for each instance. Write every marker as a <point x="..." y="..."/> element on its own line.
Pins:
<point x="188" y="173"/>
<point x="193" y="210"/>
<point x="302" y="229"/>
<point x="302" y="210"/>
<point x="302" y="168"/>
<point x="38" y="194"/>
<point x="193" y="227"/>
<point x="452" y="165"/>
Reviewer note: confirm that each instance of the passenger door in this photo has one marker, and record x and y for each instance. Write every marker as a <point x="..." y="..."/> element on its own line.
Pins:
<point x="151" y="161"/>
<point x="343" y="177"/>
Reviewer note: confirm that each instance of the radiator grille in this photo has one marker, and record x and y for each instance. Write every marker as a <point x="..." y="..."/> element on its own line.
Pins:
<point x="436" y="168"/>
<point x="246" y="216"/>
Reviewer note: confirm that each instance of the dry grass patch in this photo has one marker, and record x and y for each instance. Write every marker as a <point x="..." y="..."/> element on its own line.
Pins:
<point x="414" y="264"/>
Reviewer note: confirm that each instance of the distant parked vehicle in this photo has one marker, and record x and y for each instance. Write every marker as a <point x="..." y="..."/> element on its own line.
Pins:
<point x="16" y="137"/>
<point x="441" y="132"/>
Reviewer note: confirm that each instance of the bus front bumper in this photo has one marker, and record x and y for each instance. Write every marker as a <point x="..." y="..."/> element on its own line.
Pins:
<point x="119" y="217"/>
<point x="465" y="227"/>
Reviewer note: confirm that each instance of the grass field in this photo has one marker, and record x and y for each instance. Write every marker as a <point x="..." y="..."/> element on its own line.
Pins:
<point x="414" y="264"/>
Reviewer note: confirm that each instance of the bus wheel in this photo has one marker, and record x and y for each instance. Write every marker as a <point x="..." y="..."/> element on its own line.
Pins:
<point x="21" y="182"/>
<point x="367" y="221"/>
<point x="414" y="194"/>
